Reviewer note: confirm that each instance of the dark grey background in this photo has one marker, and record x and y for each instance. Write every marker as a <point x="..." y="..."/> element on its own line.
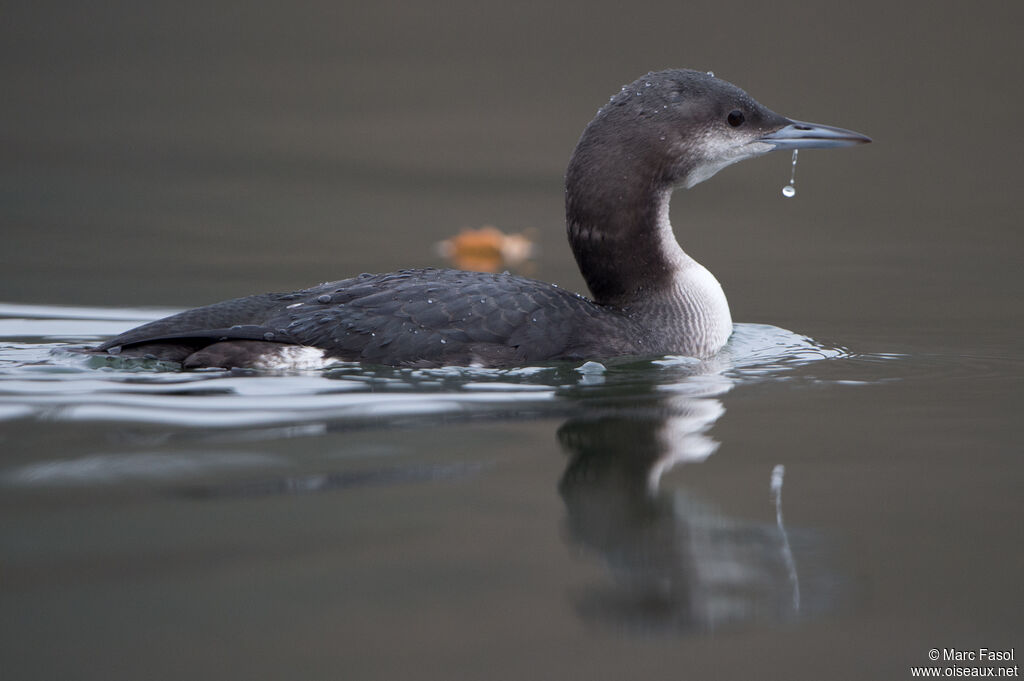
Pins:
<point x="181" y="153"/>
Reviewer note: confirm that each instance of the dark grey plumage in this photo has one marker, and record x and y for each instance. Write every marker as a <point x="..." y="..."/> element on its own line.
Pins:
<point x="667" y="129"/>
<point x="428" y="317"/>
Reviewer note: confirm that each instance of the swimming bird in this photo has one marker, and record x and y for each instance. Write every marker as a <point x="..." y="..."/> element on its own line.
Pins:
<point x="667" y="129"/>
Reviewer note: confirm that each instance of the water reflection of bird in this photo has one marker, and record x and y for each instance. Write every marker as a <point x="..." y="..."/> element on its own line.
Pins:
<point x="676" y="562"/>
<point x="667" y="129"/>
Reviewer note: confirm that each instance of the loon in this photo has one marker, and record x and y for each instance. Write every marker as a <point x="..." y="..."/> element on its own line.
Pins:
<point x="668" y="129"/>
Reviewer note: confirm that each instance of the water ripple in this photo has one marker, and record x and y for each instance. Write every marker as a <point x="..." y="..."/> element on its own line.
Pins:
<point x="40" y="378"/>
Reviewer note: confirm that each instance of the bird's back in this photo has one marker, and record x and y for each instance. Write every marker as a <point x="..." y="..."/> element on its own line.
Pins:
<point x="427" y="317"/>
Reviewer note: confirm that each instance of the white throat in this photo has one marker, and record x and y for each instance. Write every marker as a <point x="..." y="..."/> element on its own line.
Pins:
<point x="695" y="308"/>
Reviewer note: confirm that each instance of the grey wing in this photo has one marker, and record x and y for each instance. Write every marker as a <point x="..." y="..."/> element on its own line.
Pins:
<point x="412" y="317"/>
<point x="436" y="317"/>
<point x="239" y="318"/>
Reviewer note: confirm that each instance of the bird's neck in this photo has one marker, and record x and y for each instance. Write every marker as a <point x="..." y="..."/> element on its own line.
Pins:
<point x="620" y="233"/>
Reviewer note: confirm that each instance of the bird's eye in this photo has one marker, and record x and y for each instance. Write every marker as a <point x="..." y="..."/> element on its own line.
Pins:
<point x="736" y="118"/>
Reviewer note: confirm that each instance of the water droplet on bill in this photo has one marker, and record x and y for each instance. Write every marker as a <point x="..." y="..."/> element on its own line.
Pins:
<point x="789" y="191"/>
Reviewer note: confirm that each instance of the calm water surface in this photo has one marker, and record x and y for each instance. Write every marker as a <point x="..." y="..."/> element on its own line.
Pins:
<point x="830" y="502"/>
<point x="781" y="493"/>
